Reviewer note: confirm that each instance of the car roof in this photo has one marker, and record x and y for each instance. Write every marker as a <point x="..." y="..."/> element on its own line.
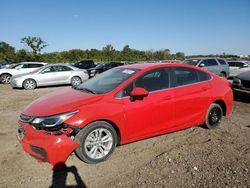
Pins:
<point x="157" y="65"/>
<point x="42" y="63"/>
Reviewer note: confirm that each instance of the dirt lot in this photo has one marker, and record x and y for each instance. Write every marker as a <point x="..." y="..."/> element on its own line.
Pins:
<point x="194" y="157"/>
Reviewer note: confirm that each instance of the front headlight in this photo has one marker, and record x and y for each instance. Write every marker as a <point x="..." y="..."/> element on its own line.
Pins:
<point x="52" y="121"/>
<point x="236" y="80"/>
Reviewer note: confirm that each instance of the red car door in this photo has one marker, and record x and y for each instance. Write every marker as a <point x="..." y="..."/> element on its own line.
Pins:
<point x="155" y="112"/>
<point x="192" y="96"/>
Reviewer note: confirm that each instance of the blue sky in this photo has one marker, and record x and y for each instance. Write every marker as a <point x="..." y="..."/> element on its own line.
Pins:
<point x="189" y="26"/>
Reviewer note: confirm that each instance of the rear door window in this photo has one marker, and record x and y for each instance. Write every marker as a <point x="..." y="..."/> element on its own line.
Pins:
<point x="62" y="68"/>
<point x="185" y="76"/>
<point x="34" y="65"/>
<point x="231" y="64"/>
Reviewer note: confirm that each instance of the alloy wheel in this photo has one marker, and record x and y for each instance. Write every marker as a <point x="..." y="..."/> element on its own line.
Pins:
<point x="29" y="84"/>
<point x="5" y="79"/>
<point x="98" y="143"/>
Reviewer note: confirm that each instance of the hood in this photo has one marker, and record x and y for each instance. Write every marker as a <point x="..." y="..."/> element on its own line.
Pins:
<point x="22" y="75"/>
<point x="61" y="101"/>
<point x="244" y="76"/>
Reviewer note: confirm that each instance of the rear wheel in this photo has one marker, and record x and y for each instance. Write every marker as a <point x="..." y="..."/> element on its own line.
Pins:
<point x="29" y="84"/>
<point x="5" y="78"/>
<point x="223" y="75"/>
<point x="214" y="116"/>
<point x="97" y="141"/>
<point x="75" y="81"/>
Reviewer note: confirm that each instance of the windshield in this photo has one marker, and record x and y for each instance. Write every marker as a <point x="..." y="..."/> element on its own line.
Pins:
<point x="191" y="61"/>
<point x="108" y="80"/>
<point x="16" y="66"/>
<point x="39" y="69"/>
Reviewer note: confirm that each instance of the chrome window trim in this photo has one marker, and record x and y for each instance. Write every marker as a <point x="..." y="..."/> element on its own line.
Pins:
<point x="169" y="87"/>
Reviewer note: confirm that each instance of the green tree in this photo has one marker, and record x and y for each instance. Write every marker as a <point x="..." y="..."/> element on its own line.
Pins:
<point x="7" y="53"/>
<point x="22" y="55"/>
<point x="108" y="52"/>
<point x="179" y="55"/>
<point x="35" y="43"/>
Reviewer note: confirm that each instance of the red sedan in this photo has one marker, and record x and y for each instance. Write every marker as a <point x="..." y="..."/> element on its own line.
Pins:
<point x="119" y="106"/>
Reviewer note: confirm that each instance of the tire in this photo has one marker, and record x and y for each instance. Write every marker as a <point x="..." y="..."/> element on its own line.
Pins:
<point x="75" y="81"/>
<point x="29" y="84"/>
<point x="5" y="78"/>
<point x="91" y="149"/>
<point x="214" y="116"/>
<point x="223" y="75"/>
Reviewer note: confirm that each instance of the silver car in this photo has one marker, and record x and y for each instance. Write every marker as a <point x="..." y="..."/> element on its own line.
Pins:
<point x="238" y="67"/>
<point x="55" y="74"/>
<point x="215" y="65"/>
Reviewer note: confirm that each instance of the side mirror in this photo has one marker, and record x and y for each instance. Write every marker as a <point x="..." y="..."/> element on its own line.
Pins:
<point x="202" y="65"/>
<point x="138" y="93"/>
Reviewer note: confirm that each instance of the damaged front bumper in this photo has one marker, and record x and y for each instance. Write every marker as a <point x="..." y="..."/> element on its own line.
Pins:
<point x="45" y="146"/>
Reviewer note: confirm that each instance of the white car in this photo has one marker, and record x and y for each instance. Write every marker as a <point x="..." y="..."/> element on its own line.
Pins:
<point x="238" y="67"/>
<point x="20" y="68"/>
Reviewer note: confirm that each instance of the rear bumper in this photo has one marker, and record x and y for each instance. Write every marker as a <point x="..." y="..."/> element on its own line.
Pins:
<point x="45" y="147"/>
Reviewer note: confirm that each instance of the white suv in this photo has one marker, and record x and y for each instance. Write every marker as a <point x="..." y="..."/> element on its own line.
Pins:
<point x="20" y="68"/>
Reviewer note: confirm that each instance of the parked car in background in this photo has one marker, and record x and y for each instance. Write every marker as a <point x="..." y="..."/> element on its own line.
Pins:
<point x="84" y="64"/>
<point x="20" y="68"/>
<point x="103" y="67"/>
<point x="215" y="65"/>
<point x="55" y="74"/>
<point x="122" y="105"/>
<point x="241" y="84"/>
<point x="238" y="67"/>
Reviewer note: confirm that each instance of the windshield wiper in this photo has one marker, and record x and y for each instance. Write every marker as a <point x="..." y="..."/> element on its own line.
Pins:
<point x="85" y="89"/>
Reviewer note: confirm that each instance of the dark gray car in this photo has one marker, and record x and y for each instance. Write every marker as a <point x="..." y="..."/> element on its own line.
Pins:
<point x="215" y="65"/>
<point x="241" y="83"/>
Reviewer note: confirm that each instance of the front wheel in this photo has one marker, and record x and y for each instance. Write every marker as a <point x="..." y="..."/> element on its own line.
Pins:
<point x="214" y="116"/>
<point x="75" y="81"/>
<point x="97" y="141"/>
<point x="29" y="84"/>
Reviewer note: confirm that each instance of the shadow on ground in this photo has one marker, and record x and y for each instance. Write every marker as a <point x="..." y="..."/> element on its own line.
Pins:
<point x="60" y="173"/>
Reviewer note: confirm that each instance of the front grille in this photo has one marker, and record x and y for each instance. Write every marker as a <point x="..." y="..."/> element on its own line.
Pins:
<point x="245" y="84"/>
<point x="25" y="118"/>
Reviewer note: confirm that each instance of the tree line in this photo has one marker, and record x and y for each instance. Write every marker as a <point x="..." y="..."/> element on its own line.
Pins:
<point x="8" y="54"/>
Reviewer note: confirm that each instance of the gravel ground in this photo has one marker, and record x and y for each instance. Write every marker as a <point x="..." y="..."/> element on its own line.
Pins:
<point x="194" y="157"/>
